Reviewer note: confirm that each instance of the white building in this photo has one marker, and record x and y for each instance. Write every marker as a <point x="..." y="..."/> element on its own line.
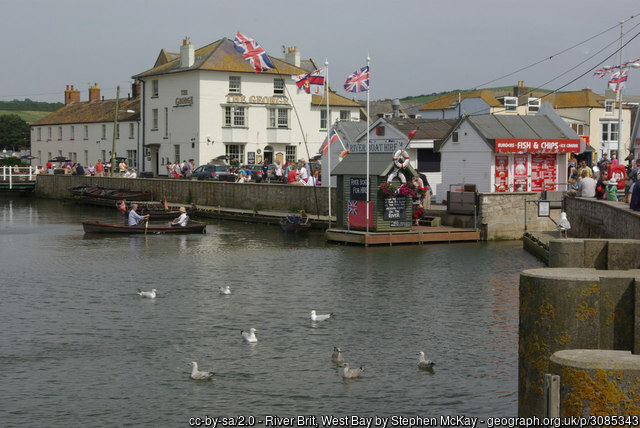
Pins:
<point x="83" y="131"/>
<point x="207" y="103"/>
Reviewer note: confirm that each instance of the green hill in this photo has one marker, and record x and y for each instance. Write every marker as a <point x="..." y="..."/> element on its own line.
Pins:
<point x="27" y="116"/>
<point x="28" y="110"/>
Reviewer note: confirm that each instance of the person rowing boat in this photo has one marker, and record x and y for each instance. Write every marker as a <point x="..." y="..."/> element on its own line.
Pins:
<point x="134" y="217"/>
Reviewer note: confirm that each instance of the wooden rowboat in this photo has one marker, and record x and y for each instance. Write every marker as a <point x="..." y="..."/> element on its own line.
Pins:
<point x="112" y="194"/>
<point x="295" y="224"/>
<point x="97" y="227"/>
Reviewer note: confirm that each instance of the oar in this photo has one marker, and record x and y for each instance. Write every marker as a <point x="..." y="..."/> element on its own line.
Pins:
<point x="146" y="225"/>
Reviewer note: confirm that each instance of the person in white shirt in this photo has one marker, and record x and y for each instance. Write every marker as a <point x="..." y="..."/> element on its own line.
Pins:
<point x="313" y="180"/>
<point x="182" y="220"/>
<point x="303" y="175"/>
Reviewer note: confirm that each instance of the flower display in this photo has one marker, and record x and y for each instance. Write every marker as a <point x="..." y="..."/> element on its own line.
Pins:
<point x="387" y="190"/>
<point x="418" y="212"/>
<point x="408" y="190"/>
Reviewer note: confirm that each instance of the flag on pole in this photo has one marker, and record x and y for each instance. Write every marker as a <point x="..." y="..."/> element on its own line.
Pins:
<point x="617" y="80"/>
<point x="358" y="81"/>
<point x="357" y="211"/>
<point x="333" y="137"/>
<point x="253" y="52"/>
<point x="311" y="83"/>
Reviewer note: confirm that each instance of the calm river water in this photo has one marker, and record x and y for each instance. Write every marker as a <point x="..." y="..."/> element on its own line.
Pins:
<point x="79" y="347"/>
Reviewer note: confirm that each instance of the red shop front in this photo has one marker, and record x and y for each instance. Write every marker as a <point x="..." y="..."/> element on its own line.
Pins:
<point x="531" y="165"/>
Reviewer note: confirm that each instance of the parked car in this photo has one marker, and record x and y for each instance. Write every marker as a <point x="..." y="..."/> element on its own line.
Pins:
<point x="213" y="172"/>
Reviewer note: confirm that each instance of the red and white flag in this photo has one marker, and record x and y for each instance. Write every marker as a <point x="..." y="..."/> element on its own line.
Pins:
<point x="333" y="137"/>
<point x="617" y="80"/>
<point x="311" y="83"/>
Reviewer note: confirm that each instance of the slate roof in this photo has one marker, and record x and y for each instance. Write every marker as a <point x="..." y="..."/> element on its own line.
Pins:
<point x="356" y="164"/>
<point x="91" y="112"/>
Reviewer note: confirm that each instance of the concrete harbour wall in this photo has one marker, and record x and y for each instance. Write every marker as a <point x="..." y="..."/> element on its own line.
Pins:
<point x="591" y="218"/>
<point x="248" y="196"/>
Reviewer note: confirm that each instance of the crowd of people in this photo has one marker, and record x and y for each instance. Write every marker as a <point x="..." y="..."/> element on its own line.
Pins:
<point x="606" y="180"/>
<point x="99" y="169"/>
<point x="182" y="169"/>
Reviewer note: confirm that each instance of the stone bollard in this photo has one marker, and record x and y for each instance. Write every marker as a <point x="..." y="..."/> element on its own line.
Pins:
<point x="598" y="383"/>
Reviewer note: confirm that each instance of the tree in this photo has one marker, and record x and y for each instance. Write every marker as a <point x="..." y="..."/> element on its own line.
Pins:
<point x="13" y="131"/>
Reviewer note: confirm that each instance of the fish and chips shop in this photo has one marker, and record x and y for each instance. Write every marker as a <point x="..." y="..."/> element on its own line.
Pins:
<point x="507" y="153"/>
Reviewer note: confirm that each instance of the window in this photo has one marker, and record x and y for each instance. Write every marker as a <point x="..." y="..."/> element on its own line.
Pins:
<point x="86" y="157"/>
<point x="104" y="132"/>
<point x="234" y="116"/>
<point x="104" y="155"/>
<point x="73" y="132"/>
<point x="278" y="87"/>
<point x="39" y="134"/>
<point x="154" y="88"/>
<point x="534" y="104"/>
<point x="166" y="121"/>
<point x="154" y="119"/>
<point x="49" y="133"/>
<point x="609" y="131"/>
<point x="428" y="160"/>
<point x="511" y="104"/>
<point x="234" y="84"/>
<point x="380" y="130"/>
<point x="578" y="128"/>
<point x="235" y="151"/>
<point x="132" y="158"/>
<point x="176" y="152"/>
<point x="454" y="137"/>
<point x="278" y="118"/>
<point x="86" y="132"/>
<point x="323" y="119"/>
<point x="59" y="133"/>
<point x="608" y="106"/>
<point x="131" y="130"/>
<point x="345" y="115"/>
<point x="290" y="153"/>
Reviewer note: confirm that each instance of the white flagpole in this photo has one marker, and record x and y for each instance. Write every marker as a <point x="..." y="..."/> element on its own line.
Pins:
<point x="368" y="60"/>
<point x="328" y="175"/>
<point x="340" y="139"/>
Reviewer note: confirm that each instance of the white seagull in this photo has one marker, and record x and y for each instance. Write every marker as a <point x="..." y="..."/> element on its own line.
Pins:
<point x="225" y="290"/>
<point x="337" y="357"/>
<point x="563" y="225"/>
<point x="197" y="374"/>
<point x="425" y="364"/>
<point x="148" y="294"/>
<point x="348" y="373"/>
<point x="320" y="317"/>
<point x="249" y="336"/>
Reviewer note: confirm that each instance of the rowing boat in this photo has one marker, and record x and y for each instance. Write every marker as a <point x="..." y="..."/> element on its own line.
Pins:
<point x="295" y="223"/>
<point x="112" y="194"/>
<point x="98" y="227"/>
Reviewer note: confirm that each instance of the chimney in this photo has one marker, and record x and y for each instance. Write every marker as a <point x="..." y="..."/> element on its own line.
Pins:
<point x="187" y="54"/>
<point x="293" y="56"/>
<point x="71" y="95"/>
<point x="395" y="108"/>
<point x="135" y="89"/>
<point x="94" y="93"/>
<point x="522" y="92"/>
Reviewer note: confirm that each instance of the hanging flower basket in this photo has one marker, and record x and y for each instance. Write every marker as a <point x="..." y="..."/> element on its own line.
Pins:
<point x="387" y="190"/>
<point x="408" y="190"/>
<point x="418" y="212"/>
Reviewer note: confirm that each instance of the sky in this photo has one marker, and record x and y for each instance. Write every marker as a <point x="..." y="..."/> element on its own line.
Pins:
<point x="415" y="46"/>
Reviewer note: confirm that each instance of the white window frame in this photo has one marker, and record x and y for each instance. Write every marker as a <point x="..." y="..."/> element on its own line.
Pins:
<point x="607" y="132"/>
<point x="40" y="136"/>
<point x="72" y="132"/>
<point x="155" y="88"/>
<point x="533" y="104"/>
<point x="345" y="115"/>
<point x="235" y="151"/>
<point x="132" y="131"/>
<point x="104" y="132"/>
<point x="323" y="119"/>
<point x="154" y="119"/>
<point x="235" y="116"/>
<point x="291" y="153"/>
<point x="86" y="132"/>
<point x="608" y="106"/>
<point x="49" y="133"/>
<point x="176" y="152"/>
<point x="278" y="86"/>
<point x="235" y="85"/>
<point x="511" y="104"/>
<point x="279" y="118"/>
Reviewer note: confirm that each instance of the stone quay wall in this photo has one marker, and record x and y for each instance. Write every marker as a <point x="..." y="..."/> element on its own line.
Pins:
<point x="591" y="218"/>
<point x="247" y="196"/>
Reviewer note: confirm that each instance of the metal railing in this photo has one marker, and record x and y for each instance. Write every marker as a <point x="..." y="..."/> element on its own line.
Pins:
<point x="14" y="174"/>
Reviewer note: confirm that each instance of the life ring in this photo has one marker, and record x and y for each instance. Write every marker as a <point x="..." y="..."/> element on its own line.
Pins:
<point x="401" y="158"/>
<point x="398" y="174"/>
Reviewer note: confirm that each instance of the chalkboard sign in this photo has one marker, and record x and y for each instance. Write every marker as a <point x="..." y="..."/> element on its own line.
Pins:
<point x="395" y="208"/>
<point x="358" y="188"/>
<point x="251" y="158"/>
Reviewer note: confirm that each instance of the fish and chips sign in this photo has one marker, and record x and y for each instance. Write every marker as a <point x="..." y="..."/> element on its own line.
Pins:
<point x="377" y="146"/>
<point x="537" y="145"/>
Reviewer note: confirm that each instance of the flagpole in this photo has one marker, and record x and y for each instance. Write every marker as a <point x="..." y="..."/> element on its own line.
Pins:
<point x="326" y="86"/>
<point x="368" y="178"/>
<point x="619" y="94"/>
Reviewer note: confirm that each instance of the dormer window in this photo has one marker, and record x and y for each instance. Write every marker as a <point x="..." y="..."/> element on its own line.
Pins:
<point x="608" y="106"/>
<point x="534" y="104"/>
<point x="511" y="104"/>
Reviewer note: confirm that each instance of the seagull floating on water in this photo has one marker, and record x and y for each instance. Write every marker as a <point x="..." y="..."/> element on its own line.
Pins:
<point x="148" y="294"/>
<point x="337" y="357"/>
<point x="197" y="374"/>
<point x="320" y="317"/>
<point x="249" y="336"/>
<point x="425" y="364"/>
<point x="349" y="373"/>
<point x="225" y="290"/>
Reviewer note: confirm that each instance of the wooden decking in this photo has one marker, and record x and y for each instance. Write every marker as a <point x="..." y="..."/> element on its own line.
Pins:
<point x="417" y="235"/>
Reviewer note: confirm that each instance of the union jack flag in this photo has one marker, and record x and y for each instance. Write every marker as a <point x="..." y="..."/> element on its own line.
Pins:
<point x="253" y="52"/>
<point x="352" y="207"/>
<point x="358" y="81"/>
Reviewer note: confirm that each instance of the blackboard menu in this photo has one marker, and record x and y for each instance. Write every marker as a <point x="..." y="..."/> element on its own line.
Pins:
<point x="395" y="208"/>
<point x="358" y="188"/>
<point x="251" y="158"/>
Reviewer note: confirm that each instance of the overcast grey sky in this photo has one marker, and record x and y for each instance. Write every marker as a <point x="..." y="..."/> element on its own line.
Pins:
<point x="416" y="46"/>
